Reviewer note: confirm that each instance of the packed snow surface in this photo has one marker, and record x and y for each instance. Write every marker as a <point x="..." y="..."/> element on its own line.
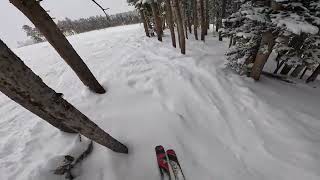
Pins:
<point x="222" y="126"/>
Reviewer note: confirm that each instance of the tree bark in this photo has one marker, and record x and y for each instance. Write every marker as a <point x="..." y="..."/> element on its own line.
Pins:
<point x="304" y="72"/>
<point x="297" y="71"/>
<point x="39" y="17"/>
<point x="189" y="22"/>
<point x="145" y="24"/>
<point x="184" y="20"/>
<point x="223" y="15"/>
<point x="314" y="75"/>
<point x="157" y="19"/>
<point x="231" y="39"/>
<point x="286" y="69"/>
<point x="203" y="22"/>
<point x="195" y="19"/>
<point x="206" y="16"/>
<point x="20" y="84"/>
<point x="177" y="12"/>
<point x="170" y="23"/>
<point x="217" y="21"/>
<point x="262" y="55"/>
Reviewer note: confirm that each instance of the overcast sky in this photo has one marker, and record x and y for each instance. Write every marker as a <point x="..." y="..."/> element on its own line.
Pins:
<point x="11" y="19"/>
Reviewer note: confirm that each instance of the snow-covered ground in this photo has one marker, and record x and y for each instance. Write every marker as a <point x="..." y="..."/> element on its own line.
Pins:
<point x="222" y="126"/>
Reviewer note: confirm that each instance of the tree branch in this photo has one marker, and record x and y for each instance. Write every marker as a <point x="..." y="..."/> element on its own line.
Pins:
<point x="103" y="9"/>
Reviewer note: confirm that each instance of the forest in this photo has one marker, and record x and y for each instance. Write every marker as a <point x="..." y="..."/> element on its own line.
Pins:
<point x="71" y="27"/>
<point x="256" y="28"/>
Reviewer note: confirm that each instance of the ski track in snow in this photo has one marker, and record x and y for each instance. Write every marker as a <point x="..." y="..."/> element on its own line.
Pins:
<point x="222" y="126"/>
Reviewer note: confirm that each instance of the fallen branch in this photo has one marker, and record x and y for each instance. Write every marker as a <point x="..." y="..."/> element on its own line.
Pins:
<point x="70" y="163"/>
<point x="103" y="9"/>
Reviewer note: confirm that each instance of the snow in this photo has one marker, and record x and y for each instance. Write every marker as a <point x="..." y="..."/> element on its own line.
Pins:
<point x="221" y="125"/>
<point x="295" y="24"/>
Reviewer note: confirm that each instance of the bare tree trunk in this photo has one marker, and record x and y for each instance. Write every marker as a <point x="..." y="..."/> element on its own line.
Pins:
<point x="189" y="22"/>
<point x="286" y="69"/>
<point x="170" y="22"/>
<point x="223" y="15"/>
<point x="304" y="72"/>
<point x="39" y="17"/>
<point x="297" y="71"/>
<point x="157" y="19"/>
<point x="184" y="20"/>
<point x="203" y="22"/>
<point x="263" y="55"/>
<point x="145" y="24"/>
<point x="206" y="4"/>
<point x="231" y="39"/>
<point x="279" y="64"/>
<point x="217" y="21"/>
<point x="177" y="12"/>
<point x="20" y="84"/>
<point x="195" y="19"/>
<point x="207" y="14"/>
<point x="314" y="75"/>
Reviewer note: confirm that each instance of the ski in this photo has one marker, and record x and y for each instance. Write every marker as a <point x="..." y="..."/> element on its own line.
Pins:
<point x="175" y="165"/>
<point x="163" y="163"/>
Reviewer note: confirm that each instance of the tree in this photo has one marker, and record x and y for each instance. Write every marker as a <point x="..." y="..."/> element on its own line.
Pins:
<point x="177" y="11"/>
<point x="39" y="17"/>
<point x="33" y="33"/>
<point x="170" y="22"/>
<point x="145" y="23"/>
<point x="202" y="20"/>
<point x="195" y="18"/>
<point x="157" y="19"/>
<point x="20" y="84"/>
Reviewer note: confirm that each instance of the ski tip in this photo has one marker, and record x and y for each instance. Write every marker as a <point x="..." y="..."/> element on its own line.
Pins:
<point x="171" y="152"/>
<point x="159" y="148"/>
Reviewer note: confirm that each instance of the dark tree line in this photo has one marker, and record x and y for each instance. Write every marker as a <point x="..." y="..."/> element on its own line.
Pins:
<point x="71" y="27"/>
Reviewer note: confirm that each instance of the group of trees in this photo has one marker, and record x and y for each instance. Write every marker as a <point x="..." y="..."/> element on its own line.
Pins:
<point x="22" y="85"/>
<point x="256" y="28"/>
<point x="290" y="29"/>
<point x="71" y="27"/>
<point x="183" y="16"/>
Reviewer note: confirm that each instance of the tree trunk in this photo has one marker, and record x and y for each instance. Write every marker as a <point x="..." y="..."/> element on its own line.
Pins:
<point x="286" y="69"/>
<point x="145" y="24"/>
<point x="20" y="84"/>
<point x="231" y="39"/>
<point x="279" y="65"/>
<point x="157" y="19"/>
<point x="297" y="71"/>
<point x="217" y="21"/>
<point x="39" y="17"/>
<point x="195" y="19"/>
<point x="184" y="19"/>
<point x="314" y="75"/>
<point x="182" y="39"/>
<point x="304" y="72"/>
<point x="203" y="22"/>
<point x="207" y="16"/>
<point x="262" y="55"/>
<point x="189" y="22"/>
<point x="223" y="15"/>
<point x="170" y="23"/>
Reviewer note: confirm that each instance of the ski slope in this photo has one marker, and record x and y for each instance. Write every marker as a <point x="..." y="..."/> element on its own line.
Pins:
<point x="222" y="126"/>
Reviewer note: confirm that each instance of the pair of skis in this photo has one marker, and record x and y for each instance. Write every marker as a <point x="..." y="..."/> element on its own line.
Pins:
<point x="165" y="161"/>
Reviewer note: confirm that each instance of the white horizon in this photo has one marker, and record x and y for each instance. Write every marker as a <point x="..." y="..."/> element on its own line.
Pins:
<point x="12" y="19"/>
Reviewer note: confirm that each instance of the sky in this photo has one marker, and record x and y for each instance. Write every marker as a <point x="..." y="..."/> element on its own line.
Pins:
<point x="11" y="19"/>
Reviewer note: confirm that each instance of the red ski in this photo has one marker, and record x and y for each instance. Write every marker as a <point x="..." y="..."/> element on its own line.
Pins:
<point x="163" y="163"/>
<point x="175" y="165"/>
